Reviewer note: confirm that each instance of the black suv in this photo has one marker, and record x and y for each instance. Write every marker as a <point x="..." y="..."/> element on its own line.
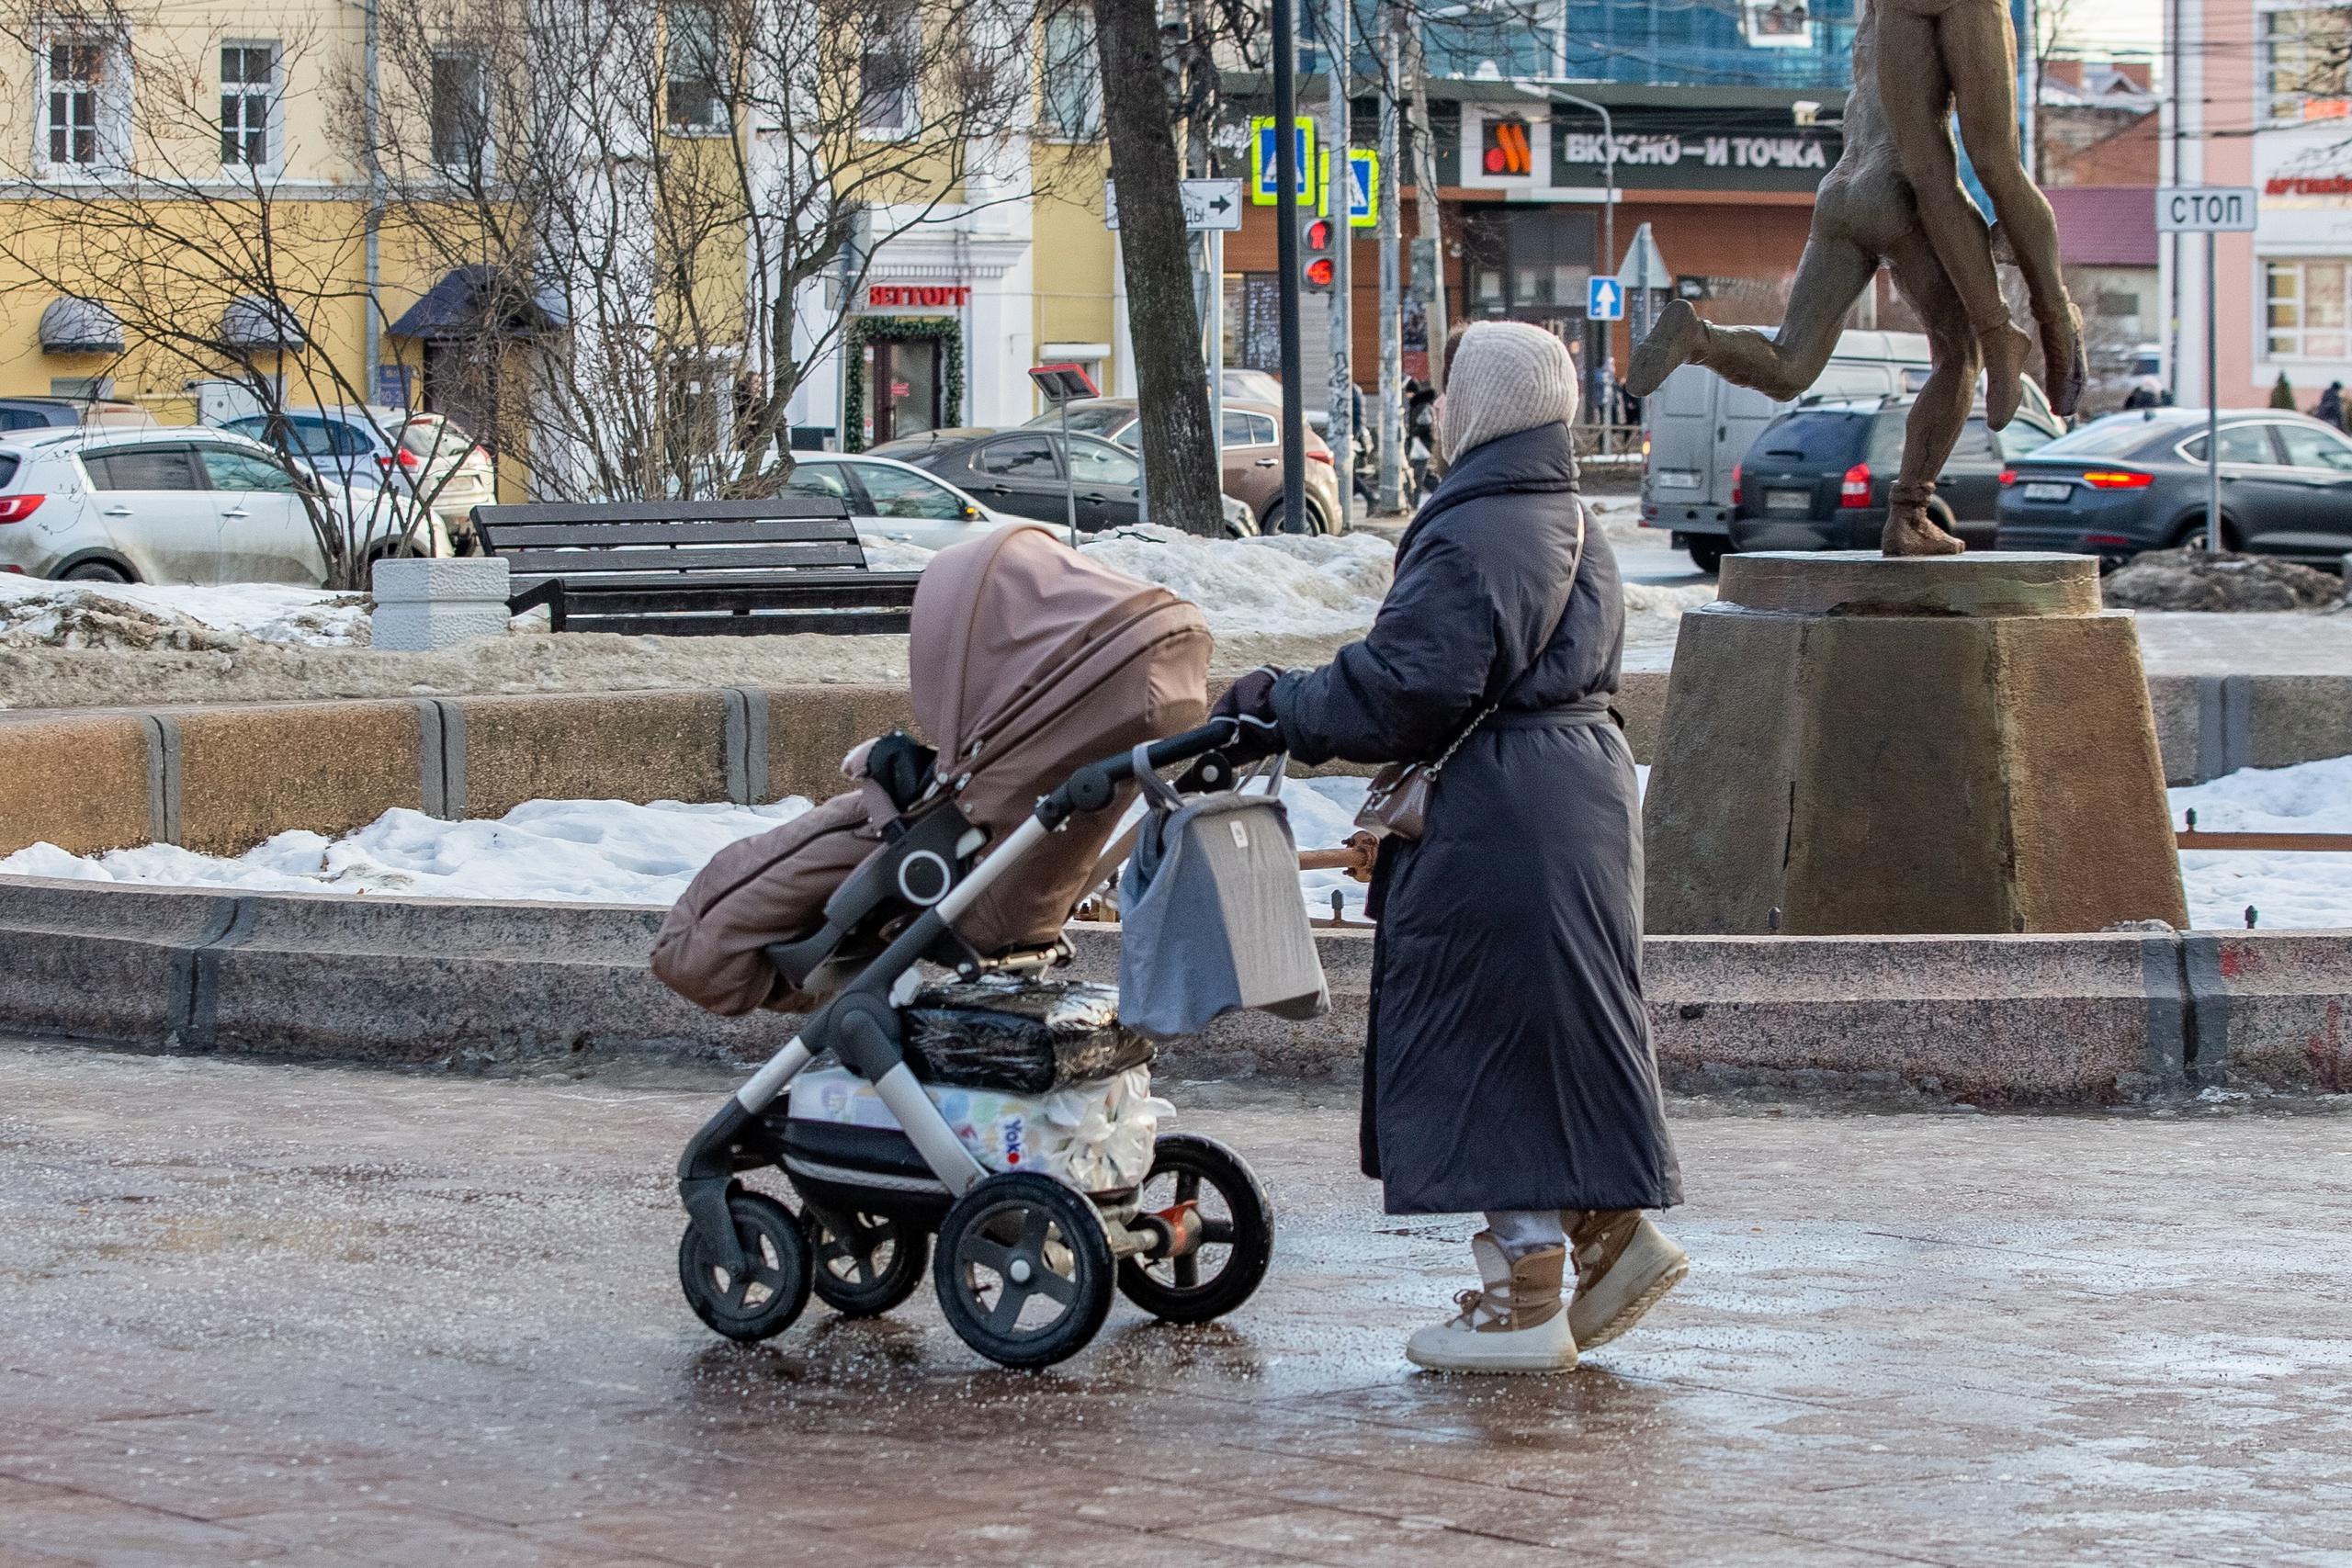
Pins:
<point x="1818" y="477"/>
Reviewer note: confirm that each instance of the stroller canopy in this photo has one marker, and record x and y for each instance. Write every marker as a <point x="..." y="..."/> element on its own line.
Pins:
<point x="1028" y="661"/>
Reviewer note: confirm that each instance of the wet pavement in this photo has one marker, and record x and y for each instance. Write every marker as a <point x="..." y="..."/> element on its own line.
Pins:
<point x="253" y="1313"/>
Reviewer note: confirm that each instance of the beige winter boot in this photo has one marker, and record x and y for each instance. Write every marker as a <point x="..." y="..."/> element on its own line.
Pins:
<point x="1516" y="1323"/>
<point x="1625" y="1267"/>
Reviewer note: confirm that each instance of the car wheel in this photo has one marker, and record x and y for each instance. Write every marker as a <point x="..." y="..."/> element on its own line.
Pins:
<point x="2190" y="535"/>
<point x="1708" y="555"/>
<point x="96" y="572"/>
<point x="1274" y="522"/>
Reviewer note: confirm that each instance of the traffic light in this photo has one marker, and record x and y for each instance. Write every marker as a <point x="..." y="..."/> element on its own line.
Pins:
<point x="1507" y="150"/>
<point x="1315" y="238"/>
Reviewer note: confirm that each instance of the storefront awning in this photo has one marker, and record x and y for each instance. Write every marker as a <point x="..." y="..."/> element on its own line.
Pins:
<point x="474" y="301"/>
<point x="252" y="321"/>
<point x="73" y="326"/>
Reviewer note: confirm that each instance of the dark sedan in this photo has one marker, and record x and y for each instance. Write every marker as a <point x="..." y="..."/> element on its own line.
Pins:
<point x="1817" y="478"/>
<point x="2137" y="482"/>
<point x="1019" y="472"/>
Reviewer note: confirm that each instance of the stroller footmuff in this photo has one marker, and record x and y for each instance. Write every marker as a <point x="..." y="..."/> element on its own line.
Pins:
<point x="999" y="1127"/>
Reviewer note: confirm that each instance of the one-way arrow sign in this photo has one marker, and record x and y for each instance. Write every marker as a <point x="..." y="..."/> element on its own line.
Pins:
<point x="1604" y="300"/>
<point x="1208" y="204"/>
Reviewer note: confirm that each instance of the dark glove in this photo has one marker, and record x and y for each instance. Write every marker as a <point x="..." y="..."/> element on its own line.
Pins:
<point x="1250" y="702"/>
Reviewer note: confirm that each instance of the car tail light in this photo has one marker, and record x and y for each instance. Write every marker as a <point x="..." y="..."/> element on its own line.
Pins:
<point x="1734" y="484"/>
<point x="1322" y="456"/>
<point x="17" y="569"/>
<point x="2009" y="478"/>
<point x="1854" y="490"/>
<point x="16" y="508"/>
<point x="2106" y="541"/>
<point x="403" y="456"/>
<point x="2117" y="479"/>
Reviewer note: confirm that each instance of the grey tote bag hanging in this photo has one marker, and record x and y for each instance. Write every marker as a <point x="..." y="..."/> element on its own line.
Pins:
<point x="1213" y="920"/>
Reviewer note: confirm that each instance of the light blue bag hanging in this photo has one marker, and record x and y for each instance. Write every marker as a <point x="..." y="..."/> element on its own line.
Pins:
<point x="1213" y="919"/>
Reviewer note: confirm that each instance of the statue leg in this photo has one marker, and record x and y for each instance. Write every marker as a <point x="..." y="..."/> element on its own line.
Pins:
<point x="1916" y="101"/>
<point x="1830" y="276"/>
<point x="1980" y="30"/>
<point x="1941" y="409"/>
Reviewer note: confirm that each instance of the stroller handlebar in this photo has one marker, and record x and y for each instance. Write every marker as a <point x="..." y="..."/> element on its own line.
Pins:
<point x="1092" y="787"/>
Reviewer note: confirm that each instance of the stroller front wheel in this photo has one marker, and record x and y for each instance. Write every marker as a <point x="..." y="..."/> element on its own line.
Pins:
<point x="870" y="1264"/>
<point x="1211" y="1203"/>
<point x="763" y="1300"/>
<point x="1023" y="1269"/>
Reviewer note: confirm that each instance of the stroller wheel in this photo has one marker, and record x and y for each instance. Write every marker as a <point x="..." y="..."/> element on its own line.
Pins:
<point x="1023" y="1269"/>
<point x="1197" y="1181"/>
<point x="762" y="1302"/>
<point x="870" y="1264"/>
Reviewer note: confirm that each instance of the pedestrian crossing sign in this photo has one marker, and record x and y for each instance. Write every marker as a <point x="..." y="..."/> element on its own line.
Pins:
<point x="1265" y="160"/>
<point x="1363" y="187"/>
<point x="1604" y="299"/>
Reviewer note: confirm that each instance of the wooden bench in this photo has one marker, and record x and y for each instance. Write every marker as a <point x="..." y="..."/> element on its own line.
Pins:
<point x="696" y="568"/>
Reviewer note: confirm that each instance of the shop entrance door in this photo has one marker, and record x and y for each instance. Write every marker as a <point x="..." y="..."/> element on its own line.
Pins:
<point x="902" y="379"/>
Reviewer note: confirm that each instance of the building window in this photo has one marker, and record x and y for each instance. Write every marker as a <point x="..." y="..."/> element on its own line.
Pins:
<point x="248" y="103"/>
<point x="1072" y="88"/>
<point x="695" y="65"/>
<point x="460" y="111"/>
<point x="2304" y="60"/>
<point x="84" y="130"/>
<point x="886" y="76"/>
<point x="2305" y="307"/>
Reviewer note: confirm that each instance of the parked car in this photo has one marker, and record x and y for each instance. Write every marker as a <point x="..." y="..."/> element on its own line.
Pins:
<point x="1265" y="387"/>
<point x="1019" y="472"/>
<point x="1253" y="455"/>
<point x="165" y="505"/>
<point x="2137" y="482"/>
<point x="46" y="413"/>
<point x="360" y="448"/>
<point x="1817" y="478"/>
<point x="892" y="501"/>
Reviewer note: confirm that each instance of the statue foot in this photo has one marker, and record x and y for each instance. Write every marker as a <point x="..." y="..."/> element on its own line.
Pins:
<point x="2006" y="350"/>
<point x="2065" y="361"/>
<point x="1911" y="532"/>
<point x="1673" y="343"/>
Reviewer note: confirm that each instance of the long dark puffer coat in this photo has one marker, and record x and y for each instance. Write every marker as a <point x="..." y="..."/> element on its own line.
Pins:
<point x="1509" y="1065"/>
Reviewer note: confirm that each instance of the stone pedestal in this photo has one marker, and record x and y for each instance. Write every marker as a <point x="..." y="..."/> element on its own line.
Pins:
<point x="1866" y="745"/>
<point x="423" y="606"/>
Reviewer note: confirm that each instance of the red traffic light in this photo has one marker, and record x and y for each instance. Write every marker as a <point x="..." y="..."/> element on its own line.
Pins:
<point x="1318" y="272"/>
<point x="1319" y="238"/>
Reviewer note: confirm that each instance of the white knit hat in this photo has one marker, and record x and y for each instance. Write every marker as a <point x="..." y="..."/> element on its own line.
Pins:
<point x="1507" y="377"/>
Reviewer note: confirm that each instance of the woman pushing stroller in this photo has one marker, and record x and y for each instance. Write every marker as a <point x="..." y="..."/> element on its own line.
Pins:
<point x="1508" y="1068"/>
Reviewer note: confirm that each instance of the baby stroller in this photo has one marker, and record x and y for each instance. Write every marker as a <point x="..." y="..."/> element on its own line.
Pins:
<point x="1039" y="675"/>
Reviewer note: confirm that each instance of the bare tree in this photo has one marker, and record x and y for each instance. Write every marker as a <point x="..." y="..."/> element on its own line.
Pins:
<point x="662" y="214"/>
<point x="153" y="197"/>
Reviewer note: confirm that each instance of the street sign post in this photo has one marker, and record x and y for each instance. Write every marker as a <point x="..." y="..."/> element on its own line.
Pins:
<point x="1208" y="204"/>
<point x="1644" y="269"/>
<point x="1604" y="299"/>
<point x="2209" y="210"/>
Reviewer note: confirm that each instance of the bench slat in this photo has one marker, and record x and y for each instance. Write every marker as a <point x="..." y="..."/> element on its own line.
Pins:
<point x="782" y="593"/>
<point x="586" y="564"/>
<point x="875" y="587"/>
<point x="838" y="623"/>
<point x="503" y="536"/>
<point x="782" y="507"/>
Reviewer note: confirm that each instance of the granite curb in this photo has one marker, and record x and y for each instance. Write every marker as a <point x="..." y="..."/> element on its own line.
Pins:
<point x="1997" y="1020"/>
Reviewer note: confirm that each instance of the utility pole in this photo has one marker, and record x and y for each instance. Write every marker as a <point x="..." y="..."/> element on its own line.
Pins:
<point x="1339" y="197"/>
<point x="1390" y="492"/>
<point x="1429" y="250"/>
<point x="1285" y="25"/>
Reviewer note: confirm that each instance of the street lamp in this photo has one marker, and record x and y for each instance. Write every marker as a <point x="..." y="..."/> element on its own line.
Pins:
<point x="1609" y="202"/>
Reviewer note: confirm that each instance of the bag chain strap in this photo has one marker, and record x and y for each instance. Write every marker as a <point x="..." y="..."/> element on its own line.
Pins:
<point x="1576" y="564"/>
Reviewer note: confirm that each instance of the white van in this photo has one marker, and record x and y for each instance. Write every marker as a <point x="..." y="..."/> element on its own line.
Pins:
<point x="1698" y="426"/>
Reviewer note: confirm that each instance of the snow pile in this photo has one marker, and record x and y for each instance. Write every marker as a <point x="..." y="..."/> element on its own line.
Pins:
<point x="2286" y="888"/>
<point x="35" y="613"/>
<point x="1285" y="584"/>
<point x="605" y="852"/>
<point x="2200" y="579"/>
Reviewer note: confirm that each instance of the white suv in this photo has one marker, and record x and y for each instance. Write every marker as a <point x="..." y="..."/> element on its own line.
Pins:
<point x="167" y="505"/>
